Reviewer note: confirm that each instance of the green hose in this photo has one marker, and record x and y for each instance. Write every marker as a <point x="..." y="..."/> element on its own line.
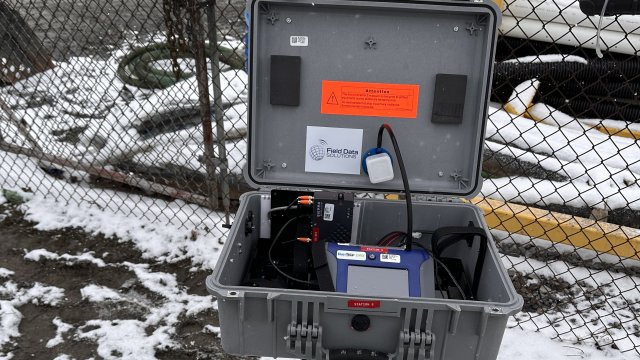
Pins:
<point x="136" y="68"/>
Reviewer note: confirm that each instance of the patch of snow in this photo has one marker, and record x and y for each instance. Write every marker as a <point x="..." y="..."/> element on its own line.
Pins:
<point x="5" y="273"/>
<point x="61" y="329"/>
<point x="38" y="294"/>
<point x="167" y="286"/>
<point x="36" y="255"/>
<point x="613" y="124"/>
<point x="531" y="345"/>
<point x="63" y="357"/>
<point x="137" y="339"/>
<point x="552" y="116"/>
<point x="566" y="144"/>
<point x="595" y="175"/>
<point x="551" y="58"/>
<point x="598" y="318"/>
<point x="155" y="235"/>
<point x="126" y="339"/>
<point x="10" y="319"/>
<point x="97" y="293"/>
<point x="215" y="330"/>
<point x="545" y="192"/>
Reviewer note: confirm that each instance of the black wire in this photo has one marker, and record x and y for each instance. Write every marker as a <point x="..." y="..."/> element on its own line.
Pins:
<point x="446" y="269"/>
<point x="273" y="243"/>
<point x="283" y="208"/>
<point x="405" y="180"/>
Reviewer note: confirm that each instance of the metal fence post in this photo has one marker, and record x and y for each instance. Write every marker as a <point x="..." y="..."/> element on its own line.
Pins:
<point x="219" y="116"/>
<point x="205" y="105"/>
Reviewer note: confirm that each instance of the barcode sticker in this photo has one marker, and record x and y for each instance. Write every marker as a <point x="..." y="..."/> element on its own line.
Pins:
<point x="391" y="258"/>
<point x="299" y="41"/>
<point x="328" y="212"/>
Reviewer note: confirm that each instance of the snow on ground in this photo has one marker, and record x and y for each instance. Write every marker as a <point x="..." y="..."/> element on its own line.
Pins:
<point x="61" y="329"/>
<point x="139" y="339"/>
<point x="156" y="240"/>
<point x="5" y="273"/>
<point x="126" y="339"/>
<point x="36" y="255"/>
<point x="531" y="345"/>
<point x="97" y="293"/>
<point x="116" y="338"/>
<point x="10" y="317"/>
<point x="38" y="294"/>
<point x="588" y="313"/>
<point x="163" y="230"/>
<point x="598" y="307"/>
<point x="64" y="357"/>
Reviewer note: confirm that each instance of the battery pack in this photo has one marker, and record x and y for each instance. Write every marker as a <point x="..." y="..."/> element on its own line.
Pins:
<point x="332" y="216"/>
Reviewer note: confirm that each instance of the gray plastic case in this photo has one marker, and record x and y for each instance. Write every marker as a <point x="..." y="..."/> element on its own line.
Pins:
<point x="374" y="42"/>
<point x="411" y="43"/>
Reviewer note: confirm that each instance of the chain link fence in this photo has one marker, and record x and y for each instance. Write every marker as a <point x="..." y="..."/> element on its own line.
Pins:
<point x="128" y="106"/>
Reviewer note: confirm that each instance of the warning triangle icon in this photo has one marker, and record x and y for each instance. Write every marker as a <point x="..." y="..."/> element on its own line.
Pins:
<point x="333" y="100"/>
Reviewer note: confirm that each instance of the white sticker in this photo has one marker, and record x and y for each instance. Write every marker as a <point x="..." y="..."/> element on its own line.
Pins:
<point x="328" y="212"/>
<point x="333" y="150"/>
<point x="299" y="41"/>
<point x="351" y="255"/>
<point x="390" y="258"/>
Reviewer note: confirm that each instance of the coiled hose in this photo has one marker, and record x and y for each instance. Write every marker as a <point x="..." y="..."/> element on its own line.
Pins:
<point x="137" y="69"/>
<point x="599" y="89"/>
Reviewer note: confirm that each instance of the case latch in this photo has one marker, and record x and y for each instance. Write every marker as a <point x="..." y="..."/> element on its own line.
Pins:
<point x="416" y="345"/>
<point x="305" y="341"/>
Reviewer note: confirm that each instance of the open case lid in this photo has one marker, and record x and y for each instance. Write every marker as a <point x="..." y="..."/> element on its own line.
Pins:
<point x="326" y="74"/>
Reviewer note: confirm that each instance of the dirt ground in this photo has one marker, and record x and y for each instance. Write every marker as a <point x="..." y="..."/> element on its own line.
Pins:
<point x="19" y="236"/>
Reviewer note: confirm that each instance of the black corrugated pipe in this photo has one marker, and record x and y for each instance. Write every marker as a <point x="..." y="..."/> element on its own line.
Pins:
<point x="595" y="70"/>
<point x="596" y="108"/>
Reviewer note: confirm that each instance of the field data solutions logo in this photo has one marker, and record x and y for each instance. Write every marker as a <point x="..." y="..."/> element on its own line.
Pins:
<point x="322" y="149"/>
<point x="333" y="150"/>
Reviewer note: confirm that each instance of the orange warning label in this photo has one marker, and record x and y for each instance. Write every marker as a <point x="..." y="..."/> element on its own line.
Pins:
<point x="369" y="99"/>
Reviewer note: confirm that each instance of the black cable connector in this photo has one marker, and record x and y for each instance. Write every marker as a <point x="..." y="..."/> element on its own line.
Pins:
<point x="405" y="181"/>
